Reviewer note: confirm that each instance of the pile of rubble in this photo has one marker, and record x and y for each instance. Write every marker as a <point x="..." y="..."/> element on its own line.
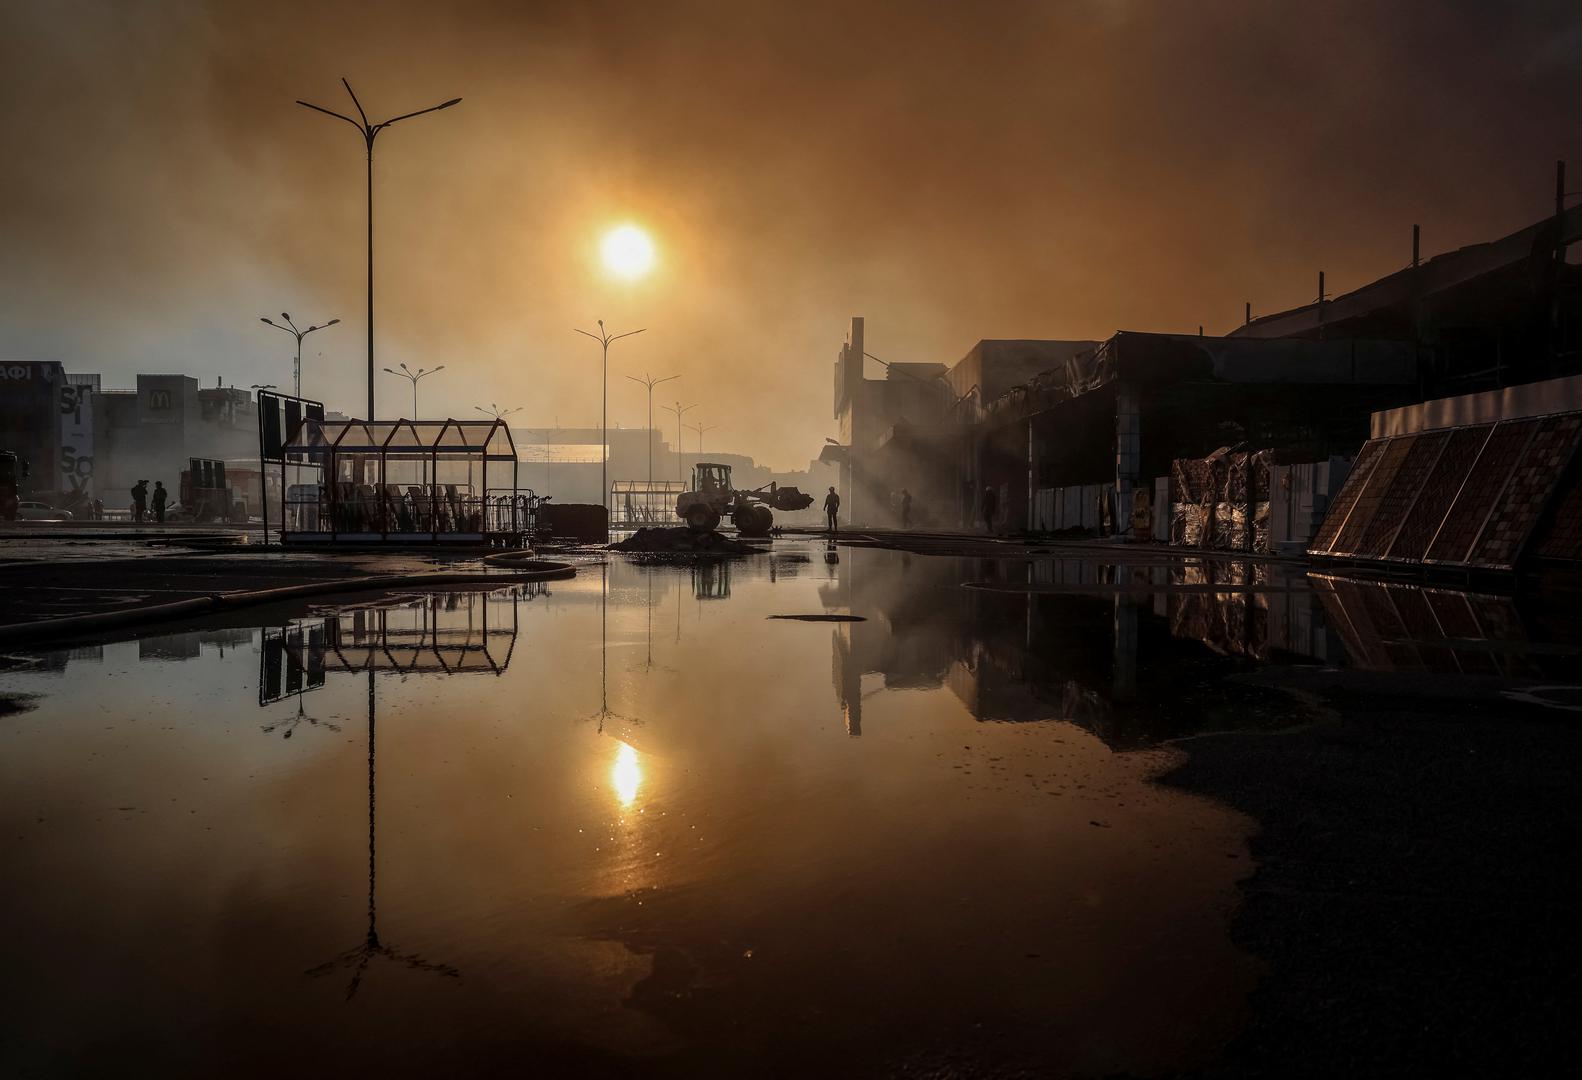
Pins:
<point x="682" y="541"/>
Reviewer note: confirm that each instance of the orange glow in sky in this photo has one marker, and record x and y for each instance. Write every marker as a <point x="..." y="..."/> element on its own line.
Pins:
<point x="627" y="252"/>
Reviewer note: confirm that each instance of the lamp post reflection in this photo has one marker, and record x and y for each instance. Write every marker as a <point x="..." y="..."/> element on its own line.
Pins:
<point x="291" y="723"/>
<point x="603" y="712"/>
<point x="357" y="958"/>
<point x="451" y="633"/>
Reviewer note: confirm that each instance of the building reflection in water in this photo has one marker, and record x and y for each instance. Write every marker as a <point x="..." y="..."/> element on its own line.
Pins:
<point x="1138" y="652"/>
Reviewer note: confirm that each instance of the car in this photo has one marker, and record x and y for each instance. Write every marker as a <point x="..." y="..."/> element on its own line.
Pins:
<point x="37" y="511"/>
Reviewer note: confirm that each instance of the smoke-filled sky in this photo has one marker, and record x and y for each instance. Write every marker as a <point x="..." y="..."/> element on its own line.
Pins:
<point x="951" y="171"/>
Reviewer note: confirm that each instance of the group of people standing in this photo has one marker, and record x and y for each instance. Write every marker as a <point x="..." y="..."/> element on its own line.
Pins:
<point x="141" y="499"/>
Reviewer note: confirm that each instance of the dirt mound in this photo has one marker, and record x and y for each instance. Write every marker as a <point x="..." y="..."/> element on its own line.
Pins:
<point x="682" y="541"/>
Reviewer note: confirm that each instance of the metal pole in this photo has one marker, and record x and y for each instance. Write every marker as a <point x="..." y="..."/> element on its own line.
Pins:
<point x="681" y="448"/>
<point x="263" y="474"/>
<point x="370" y="138"/>
<point x="369" y="132"/>
<point x="373" y="934"/>
<point x="604" y="435"/>
<point x="649" y="382"/>
<point x="604" y="337"/>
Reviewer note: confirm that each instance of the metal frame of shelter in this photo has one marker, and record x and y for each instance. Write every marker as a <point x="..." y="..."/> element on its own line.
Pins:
<point x="402" y="481"/>
<point x="453" y="633"/>
<point x="636" y="503"/>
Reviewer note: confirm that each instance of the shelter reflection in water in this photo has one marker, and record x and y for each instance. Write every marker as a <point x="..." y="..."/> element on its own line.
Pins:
<point x="441" y="633"/>
<point x="445" y="633"/>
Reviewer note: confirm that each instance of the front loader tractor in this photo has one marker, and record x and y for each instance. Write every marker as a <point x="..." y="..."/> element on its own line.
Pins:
<point x="712" y="498"/>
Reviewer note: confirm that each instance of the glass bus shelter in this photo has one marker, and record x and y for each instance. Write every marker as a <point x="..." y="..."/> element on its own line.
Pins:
<point x="403" y="482"/>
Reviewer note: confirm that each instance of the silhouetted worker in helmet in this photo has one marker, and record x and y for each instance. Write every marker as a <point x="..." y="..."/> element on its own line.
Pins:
<point x="832" y="508"/>
<point x="160" y="495"/>
<point x="139" y="501"/>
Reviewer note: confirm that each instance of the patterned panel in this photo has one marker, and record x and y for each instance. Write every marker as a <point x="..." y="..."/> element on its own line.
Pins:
<point x="1389" y="627"/>
<point x="1346" y="498"/>
<point x="1349" y="542"/>
<point x="1439" y="491"/>
<point x="1417" y="616"/>
<point x="1502" y="624"/>
<point x="1348" y="620"/>
<point x="1454" y="612"/>
<point x="1562" y="539"/>
<point x="1528" y="492"/>
<point x="1405" y="487"/>
<point x="1484" y="484"/>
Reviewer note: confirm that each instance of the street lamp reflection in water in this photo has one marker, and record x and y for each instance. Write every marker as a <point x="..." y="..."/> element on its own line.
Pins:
<point x="626" y="775"/>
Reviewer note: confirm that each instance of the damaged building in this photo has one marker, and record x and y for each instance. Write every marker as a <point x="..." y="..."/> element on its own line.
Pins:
<point x="1235" y="442"/>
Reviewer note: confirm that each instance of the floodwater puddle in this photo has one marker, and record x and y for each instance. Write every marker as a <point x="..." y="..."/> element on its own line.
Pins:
<point x="621" y="820"/>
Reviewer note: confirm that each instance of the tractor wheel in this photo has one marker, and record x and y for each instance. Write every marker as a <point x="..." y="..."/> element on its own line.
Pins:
<point x="713" y="522"/>
<point x="700" y="519"/>
<point x="754" y="521"/>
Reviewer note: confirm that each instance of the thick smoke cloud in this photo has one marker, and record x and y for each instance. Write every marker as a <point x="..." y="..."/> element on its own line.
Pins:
<point x="950" y="171"/>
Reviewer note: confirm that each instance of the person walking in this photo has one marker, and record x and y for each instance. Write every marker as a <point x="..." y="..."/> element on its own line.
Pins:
<point x="831" y="508"/>
<point x="139" y="501"/>
<point x="991" y="503"/>
<point x="906" y="508"/>
<point x="160" y="495"/>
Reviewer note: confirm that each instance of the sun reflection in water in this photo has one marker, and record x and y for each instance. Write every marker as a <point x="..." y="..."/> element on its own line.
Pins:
<point x="627" y="775"/>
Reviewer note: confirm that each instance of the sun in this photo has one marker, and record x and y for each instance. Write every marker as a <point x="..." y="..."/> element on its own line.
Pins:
<point x="627" y="252"/>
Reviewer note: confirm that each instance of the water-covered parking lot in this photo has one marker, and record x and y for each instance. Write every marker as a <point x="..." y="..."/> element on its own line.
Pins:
<point x="1062" y="816"/>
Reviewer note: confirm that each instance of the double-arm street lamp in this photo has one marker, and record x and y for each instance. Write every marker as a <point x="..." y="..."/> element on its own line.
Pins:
<point x="700" y="429"/>
<point x="369" y="132"/>
<point x="604" y="337"/>
<point x="493" y="409"/>
<point x="651" y="382"/>
<point x="681" y="453"/>
<point x="291" y="328"/>
<point x="408" y="373"/>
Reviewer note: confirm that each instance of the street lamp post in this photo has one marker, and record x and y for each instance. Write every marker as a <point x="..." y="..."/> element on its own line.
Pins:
<point x="500" y="414"/>
<point x="408" y="373"/>
<point x="493" y="409"/>
<point x="651" y="382"/>
<point x="369" y="132"/>
<point x="291" y="328"/>
<point x="681" y="452"/>
<point x="604" y="337"/>
<point x="700" y="429"/>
